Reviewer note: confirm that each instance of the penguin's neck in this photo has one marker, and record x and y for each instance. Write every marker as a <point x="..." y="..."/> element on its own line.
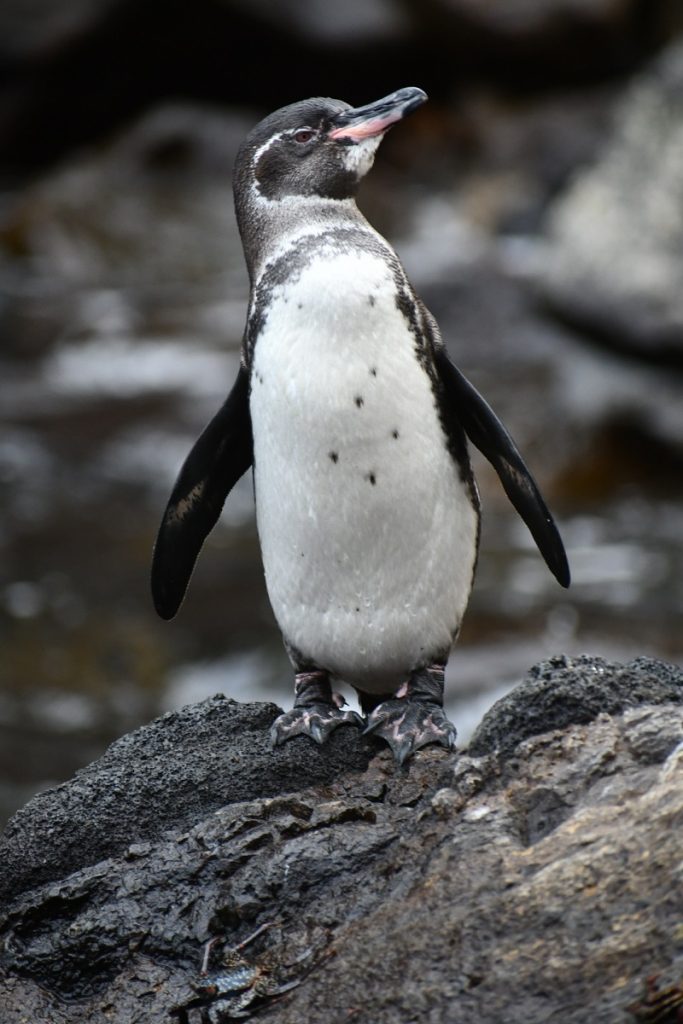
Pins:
<point x="269" y="228"/>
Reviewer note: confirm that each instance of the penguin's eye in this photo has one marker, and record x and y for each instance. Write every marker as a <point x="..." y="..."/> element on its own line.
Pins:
<point x="303" y="135"/>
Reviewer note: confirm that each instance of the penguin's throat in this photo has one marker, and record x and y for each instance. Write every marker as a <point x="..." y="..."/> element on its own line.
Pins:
<point x="272" y="233"/>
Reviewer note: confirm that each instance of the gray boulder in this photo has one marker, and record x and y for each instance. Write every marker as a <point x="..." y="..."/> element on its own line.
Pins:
<point x="614" y="269"/>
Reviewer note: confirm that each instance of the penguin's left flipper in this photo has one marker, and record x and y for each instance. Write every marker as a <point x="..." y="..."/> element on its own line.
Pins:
<point x="223" y="453"/>
<point x="490" y="436"/>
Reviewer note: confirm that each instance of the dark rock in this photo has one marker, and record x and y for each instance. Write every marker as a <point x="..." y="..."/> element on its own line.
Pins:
<point x="164" y="776"/>
<point x="460" y="889"/>
<point x="70" y="91"/>
<point x="64" y="88"/>
<point x="548" y="34"/>
<point x="569" y="691"/>
<point x="519" y="17"/>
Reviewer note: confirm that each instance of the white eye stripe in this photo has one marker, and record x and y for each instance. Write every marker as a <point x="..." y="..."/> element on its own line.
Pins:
<point x="258" y="153"/>
<point x="287" y="133"/>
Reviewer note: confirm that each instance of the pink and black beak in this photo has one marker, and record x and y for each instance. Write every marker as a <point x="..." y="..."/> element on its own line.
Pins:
<point x="366" y="122"/>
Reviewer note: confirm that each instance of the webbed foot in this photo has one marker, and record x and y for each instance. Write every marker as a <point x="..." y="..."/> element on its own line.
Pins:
<point x="317" y="711"/>
<point x="317" y="721"/>
<point x="414" y="717"/>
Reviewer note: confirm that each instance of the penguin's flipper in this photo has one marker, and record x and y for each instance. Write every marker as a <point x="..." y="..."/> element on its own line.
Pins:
<point x="222" y="454"/>
<point x="488" y="434"/>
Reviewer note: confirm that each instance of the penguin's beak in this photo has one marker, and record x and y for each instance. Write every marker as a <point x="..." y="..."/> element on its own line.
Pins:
<point x="365" y="122"/>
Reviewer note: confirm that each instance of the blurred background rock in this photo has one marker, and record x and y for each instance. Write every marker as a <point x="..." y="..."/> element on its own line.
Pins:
<point x="537" y="202"/>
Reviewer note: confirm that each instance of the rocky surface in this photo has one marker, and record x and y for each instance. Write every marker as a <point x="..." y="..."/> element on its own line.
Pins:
<point x="168" y="774"/>
<point x="535" y="881"/>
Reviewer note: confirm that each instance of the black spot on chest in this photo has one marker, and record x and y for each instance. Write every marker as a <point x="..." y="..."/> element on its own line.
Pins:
<point x="360" y="401"/>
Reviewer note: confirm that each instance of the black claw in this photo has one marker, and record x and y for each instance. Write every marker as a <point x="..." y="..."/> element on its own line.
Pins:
<point x="317" y="721"/>
<point x="407" y="725"/>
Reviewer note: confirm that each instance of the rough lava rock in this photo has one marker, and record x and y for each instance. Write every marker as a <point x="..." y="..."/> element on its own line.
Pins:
<point x="536" y="881"/>
<point x="166" y="775"/>
<point x="568" y="691"/>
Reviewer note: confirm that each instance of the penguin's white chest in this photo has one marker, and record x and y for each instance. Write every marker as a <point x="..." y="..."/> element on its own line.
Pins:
<point x="367" y="531"/>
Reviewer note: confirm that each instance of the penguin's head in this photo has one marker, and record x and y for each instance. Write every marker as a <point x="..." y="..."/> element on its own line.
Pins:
<point x="318" y="148"/>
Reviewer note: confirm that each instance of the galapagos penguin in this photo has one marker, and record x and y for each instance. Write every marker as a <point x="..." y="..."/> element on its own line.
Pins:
<point x="355" y="422"/>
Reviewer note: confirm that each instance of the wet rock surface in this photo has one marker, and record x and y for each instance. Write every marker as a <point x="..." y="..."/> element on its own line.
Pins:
<point x="534" y="881"/>
<point x="165" y="775"/>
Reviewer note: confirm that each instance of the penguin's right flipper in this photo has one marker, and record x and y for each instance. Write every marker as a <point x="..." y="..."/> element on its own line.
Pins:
<point x="223" y="453"/>
<point x="490" y="436"/>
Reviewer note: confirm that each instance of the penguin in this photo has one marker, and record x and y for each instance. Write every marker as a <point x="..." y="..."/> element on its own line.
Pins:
<point x="356" y="424"/>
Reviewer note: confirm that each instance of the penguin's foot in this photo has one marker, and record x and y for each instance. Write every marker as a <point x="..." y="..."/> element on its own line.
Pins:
<point x="317" y="711"/>
<point x="318" y="722"/>
<point x="407" y="726"/>
<point x="414" y="716"/>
